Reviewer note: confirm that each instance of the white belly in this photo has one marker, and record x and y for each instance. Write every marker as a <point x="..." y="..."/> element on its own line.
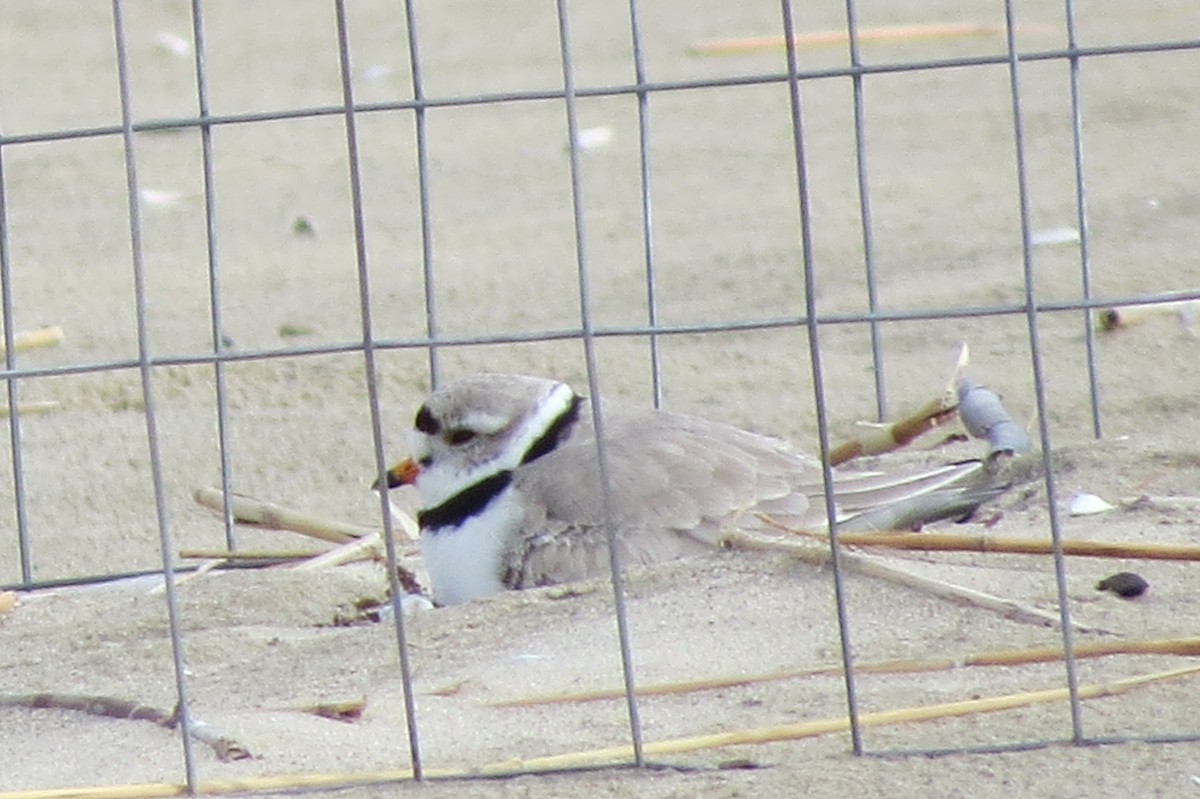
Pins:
<point x="465" y="563"/>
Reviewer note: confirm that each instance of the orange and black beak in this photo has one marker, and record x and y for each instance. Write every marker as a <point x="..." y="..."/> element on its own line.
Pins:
<point x="403" y="473"/>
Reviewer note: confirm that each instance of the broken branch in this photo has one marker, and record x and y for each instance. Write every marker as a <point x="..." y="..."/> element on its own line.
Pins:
<point x="1188" y="647"/>
<point x="250" y="511"/>
<point x="48" y="336"/>
<point x="941" y="542"/>
<point x="110" y="707"/>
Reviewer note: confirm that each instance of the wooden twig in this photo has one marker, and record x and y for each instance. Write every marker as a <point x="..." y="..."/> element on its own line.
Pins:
<point x="369" y="547"/>
<point x="233" y="785"/>
<point x="406" y="522"/>
<point x="226" y="748"/>
<point x="869" y="566"/>
<point x="254" y="512"/>
<point x="1161" y="503"/>
<point x="894" y="33"/>
<point x="183" y="579"/>
<point x="32" y="339"/>
<point x="941" y="542"/>
<point x="877" y="439"/>
<point x="270" y="555"/>
<point x="347" y="710"/>
<point x="809" y="729"/>
<point x="617" y="755"/>
<point x="36" y="408"/>
<point x="1188" y="647"/>
<point x="1120" y="316"/>
<point x="1008" y="608"/>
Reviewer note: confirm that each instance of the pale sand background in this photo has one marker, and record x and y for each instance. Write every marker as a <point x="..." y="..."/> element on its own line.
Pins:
<point x="946" y="235"/>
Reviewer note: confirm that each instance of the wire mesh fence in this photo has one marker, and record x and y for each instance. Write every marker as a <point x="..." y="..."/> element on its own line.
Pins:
<point x="260" y="233"/>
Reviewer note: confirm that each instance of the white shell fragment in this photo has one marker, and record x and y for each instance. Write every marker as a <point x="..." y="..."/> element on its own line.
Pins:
<point x="1087" y="504"/>
<point x="410" y="605"/>
<point x="415" y="603"/>
<point x="376" y="72"/>
<point x="173" y="44"/>
<point x="593" y="138"/>
<point x="1049" y="237"/>
<point x="158" y="198"/>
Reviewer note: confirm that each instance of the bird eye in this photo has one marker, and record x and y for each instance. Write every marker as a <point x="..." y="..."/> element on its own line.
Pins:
<point x="459" y="435"/>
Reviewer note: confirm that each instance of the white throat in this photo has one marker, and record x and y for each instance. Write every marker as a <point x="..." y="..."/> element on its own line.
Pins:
<point x="465" y="562"/>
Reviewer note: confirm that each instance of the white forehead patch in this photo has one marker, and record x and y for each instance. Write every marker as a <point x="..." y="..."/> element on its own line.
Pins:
<point x="485" y="423"/>
<point x="418" y="444"/>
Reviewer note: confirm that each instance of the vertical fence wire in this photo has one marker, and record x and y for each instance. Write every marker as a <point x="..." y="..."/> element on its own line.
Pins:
<point x="145" y="369"/>
<point x="864" y="204"/>
<point x="1085" y="263"/>
<point x="643" y="101"/>
<point x="1039" y="377"/>
<point x="24" y="548"/>
<point x="420" y="124"/>
<point x="589" y="350"/>
<point x="814" y="346"/>
<point x="371" y="374"/>
<point x="214" y="273"/>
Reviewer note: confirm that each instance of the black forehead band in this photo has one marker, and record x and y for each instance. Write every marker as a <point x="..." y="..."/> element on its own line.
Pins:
<point x="426" y="423"/>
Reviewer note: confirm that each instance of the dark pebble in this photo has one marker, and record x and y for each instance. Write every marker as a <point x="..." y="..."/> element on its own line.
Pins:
<point x="1124" y="584"/>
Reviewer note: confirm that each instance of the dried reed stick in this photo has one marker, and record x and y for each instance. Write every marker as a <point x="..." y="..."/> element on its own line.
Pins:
<point x="617" y="755"/>
<point x="38" y="407"/>
<point x="183" y="579"/>
<point x="809" y="729"/>
<point x="877" y="439"/>
<point x="369" y="547"/>
<point x="246" y="554"/>
<point x="236" y="785"/>
<point x="32" y="339"/>
<point x="347" y="710"/>
<point x="941" y="542"/>
<point x="895" y="33"/>
<point x="226" y="748"/>
<point x="254" y="512"/>
<point x="861" y="563"/>
<point x="1128" y="315"/>
<point x="1188" y="647"/>
<point x="1161" y="503"/>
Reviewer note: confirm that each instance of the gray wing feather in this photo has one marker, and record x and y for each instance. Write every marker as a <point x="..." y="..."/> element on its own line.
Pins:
<point x="678" y="484"/>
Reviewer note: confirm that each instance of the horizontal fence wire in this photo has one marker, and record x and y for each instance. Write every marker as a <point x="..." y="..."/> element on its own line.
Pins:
<point x="630" y="89"/>
<point x="646" y="91"/>
<point x="799" y="321"/>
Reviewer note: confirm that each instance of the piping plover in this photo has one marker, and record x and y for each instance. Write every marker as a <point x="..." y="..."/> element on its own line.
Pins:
<point x="508" y="476"/>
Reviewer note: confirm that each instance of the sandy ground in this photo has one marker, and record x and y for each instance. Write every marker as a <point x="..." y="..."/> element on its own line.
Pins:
<point x="946" y="235"/>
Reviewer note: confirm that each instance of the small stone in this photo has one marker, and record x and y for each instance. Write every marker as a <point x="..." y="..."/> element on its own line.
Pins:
<point x="1126" y="585"/>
